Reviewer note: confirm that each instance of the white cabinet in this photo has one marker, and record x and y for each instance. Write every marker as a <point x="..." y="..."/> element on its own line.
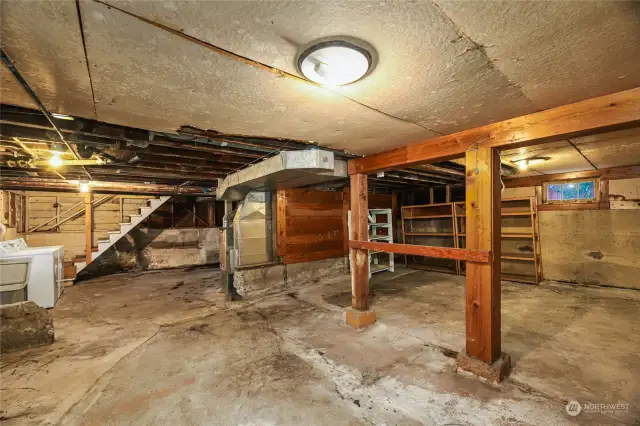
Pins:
<point x="45" y="270"/>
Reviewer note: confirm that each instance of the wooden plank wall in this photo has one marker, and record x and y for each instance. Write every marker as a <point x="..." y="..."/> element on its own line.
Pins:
<point x="312" y="225"/>
<point x="309" y="225"/>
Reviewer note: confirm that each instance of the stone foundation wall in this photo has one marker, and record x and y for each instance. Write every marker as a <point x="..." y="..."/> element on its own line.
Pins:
<point x="24" y="325"/>
<point x="259" y="281"/>
<point x="597" y="247"/>
<point x="150" y="249"/>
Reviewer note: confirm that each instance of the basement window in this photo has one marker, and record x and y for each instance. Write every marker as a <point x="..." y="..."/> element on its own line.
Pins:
<point x="572" y="191"/>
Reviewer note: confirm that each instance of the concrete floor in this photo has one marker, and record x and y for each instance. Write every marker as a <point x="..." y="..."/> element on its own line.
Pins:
<point x="165" y="347"/>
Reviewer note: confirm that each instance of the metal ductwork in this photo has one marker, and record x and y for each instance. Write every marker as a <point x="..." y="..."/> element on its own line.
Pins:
<point x="288" y="169"/>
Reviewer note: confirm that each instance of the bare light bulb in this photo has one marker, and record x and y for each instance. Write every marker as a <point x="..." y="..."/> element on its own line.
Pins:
<point x="56" y="161"/>
<point x="524" y="164"/>
<point x="84" y="187"/>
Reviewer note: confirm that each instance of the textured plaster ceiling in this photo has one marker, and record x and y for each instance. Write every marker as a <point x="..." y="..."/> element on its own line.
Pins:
<point x="442" y="66"/>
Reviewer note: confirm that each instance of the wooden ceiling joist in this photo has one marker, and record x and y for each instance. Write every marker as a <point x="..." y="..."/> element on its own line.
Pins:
<point x="606" y="113"/>
<point x="102" y="187"/>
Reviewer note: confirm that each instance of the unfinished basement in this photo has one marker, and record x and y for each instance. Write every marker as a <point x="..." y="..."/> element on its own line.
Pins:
<point x="325" y="213"/>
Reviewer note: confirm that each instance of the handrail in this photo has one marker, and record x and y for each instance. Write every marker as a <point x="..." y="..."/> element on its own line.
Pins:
<point x="73" y="216"/>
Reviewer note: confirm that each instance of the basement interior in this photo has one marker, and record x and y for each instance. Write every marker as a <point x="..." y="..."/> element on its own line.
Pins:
<point x="358" y="213"/>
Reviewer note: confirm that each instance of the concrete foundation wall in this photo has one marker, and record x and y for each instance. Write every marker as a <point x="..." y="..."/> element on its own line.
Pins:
<point x="591" y="246"/>
<point x="254" y="282"/>
<point x="24" y="325"/>
<point x="149" y="249"/>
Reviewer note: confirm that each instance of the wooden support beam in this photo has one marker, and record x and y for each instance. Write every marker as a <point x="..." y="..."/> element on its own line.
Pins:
<point x="88" y="225"/>
<point x="477" y="256"/>
<point x="611" y="112"/>
<point x="483" y="233"/>
<point x="99" y="187"/>
<point x="359" y="232"/>
<point x="613" y="173"/>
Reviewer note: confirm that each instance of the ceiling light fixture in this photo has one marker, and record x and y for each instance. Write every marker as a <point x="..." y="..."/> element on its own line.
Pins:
<point x="524" y="163"/>
<point x="55" y="160"/>
<point x="84" y="186"/>
<point x="334" y="63"/>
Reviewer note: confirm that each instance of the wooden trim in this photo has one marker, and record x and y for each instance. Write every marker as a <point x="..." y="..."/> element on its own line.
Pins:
<point x="281" y="223"/>
<point x="477" y="256"/>
<point x="483" y="207"/>
<point x="596" y="187"/>
<point x="359" y="232"/>
<point x="613" y="173"/>
<point x="611" y="112"/>
<point x="572" y="206"/>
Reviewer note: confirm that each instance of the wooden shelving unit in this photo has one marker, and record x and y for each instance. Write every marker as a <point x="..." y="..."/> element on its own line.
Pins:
<point x="445" y="225"/>
<point x="429" y="224"/>
<point x="520" y="239"/>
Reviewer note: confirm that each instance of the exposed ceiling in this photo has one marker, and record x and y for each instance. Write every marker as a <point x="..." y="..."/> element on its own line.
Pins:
<point x="442" y="66"/>
<point x="601" y="151"/>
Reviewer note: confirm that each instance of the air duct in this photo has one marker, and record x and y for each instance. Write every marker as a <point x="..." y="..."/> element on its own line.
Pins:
<point x="288" y="169"/>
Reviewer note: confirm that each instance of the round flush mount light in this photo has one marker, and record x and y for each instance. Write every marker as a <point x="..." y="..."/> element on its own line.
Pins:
<point x="334" y="63"/>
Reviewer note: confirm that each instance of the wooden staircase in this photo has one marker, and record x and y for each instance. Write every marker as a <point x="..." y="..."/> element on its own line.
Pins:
<point x="80" y="262"/>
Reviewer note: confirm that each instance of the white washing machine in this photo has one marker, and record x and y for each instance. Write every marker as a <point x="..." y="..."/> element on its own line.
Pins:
<point x="45" y="270"/>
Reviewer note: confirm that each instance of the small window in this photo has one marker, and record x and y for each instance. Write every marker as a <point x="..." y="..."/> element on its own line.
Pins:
<point x="572" y="191"/>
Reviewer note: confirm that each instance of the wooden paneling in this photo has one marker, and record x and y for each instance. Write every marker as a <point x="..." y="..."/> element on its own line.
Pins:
<point x="309" y="225"/>
<point x="606" y="113"/>
<point x="483" y="233"/>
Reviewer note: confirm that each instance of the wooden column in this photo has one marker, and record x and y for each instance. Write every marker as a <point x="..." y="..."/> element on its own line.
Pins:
<point x="88" y="225"/>
<point x="359" y="232"/>
<point x="483" y="233"/>
<point x="211" y="214"/>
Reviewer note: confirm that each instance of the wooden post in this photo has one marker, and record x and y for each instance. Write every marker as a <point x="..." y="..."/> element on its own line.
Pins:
<point x="483" y="233"/>
<point x="211" y="214"/>
<point x="88" y="225"/>
<point x="360" y="315"/>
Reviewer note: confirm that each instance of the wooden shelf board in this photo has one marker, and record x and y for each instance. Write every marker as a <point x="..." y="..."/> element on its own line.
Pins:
<point x="427" y="205"/>
<point x="528" y="213"/>
<point x="432" y="216"/>
<point x="523" y="258"/>
<point x="430" y="234"/>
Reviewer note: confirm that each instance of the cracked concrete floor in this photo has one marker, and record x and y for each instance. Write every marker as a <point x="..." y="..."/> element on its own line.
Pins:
<point x="165" y="347"/>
